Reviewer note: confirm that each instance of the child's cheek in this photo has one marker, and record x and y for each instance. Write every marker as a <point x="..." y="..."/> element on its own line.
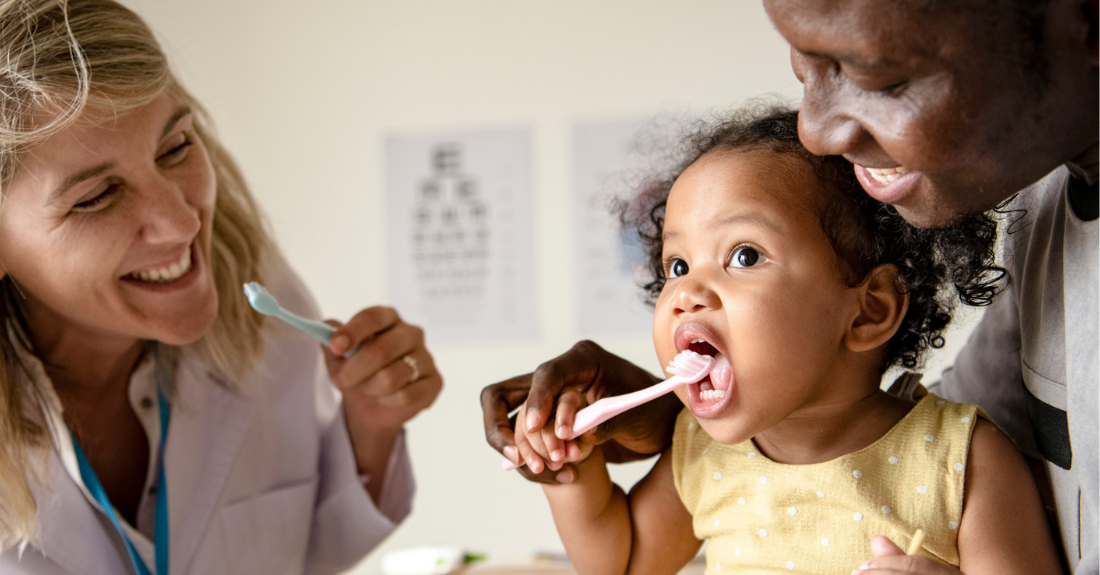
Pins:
<point x="682" y="393"/>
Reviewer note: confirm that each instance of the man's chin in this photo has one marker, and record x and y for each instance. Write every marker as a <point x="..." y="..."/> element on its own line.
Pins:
<point x="929" y="216"/>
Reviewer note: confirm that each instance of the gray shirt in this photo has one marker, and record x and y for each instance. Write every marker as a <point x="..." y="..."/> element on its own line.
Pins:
<point x="1034" y="361"/>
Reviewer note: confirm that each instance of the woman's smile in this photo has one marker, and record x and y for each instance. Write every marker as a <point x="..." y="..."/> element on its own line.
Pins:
<point x="115" y="239"/>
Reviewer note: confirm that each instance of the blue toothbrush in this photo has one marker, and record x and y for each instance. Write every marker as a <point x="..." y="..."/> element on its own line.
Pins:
<point x="262" y="301"/>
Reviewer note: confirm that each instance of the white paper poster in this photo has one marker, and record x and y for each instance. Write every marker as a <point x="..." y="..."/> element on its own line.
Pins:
<point x="461" y="261"/>
<point x="609" y="301"/>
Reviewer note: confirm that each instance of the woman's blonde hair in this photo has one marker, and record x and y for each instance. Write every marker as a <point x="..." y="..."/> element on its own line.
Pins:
<point x="62" y="58"/>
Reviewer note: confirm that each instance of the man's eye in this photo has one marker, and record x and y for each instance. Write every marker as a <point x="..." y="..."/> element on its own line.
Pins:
<point x="745" y="257"/>
<point x="676" y="268"/>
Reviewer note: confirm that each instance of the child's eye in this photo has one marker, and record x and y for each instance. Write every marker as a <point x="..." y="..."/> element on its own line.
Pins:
<point x="676" y="267"/>
<point x="745" y="257"/>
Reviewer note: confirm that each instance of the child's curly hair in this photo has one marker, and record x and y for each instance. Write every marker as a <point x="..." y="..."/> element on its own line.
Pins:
<point x="864" y="232"/>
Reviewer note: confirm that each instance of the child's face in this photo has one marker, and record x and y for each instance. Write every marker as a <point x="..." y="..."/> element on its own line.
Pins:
<point x="752" y="280"/>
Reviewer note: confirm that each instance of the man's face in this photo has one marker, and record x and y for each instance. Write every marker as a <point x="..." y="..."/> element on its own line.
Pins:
<point x="940" y="120"/>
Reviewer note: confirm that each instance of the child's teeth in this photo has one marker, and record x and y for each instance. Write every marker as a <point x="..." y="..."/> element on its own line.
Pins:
<point x="712" y="394"/>
<point x="886" y="175"/>
<point x="698" y="341"/>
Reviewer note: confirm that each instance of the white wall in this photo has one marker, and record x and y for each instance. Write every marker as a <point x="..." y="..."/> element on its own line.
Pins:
<point x="303" y="93"/>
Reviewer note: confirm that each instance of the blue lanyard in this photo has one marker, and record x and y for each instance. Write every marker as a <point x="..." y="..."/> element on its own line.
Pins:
<point x="160" y="532"/>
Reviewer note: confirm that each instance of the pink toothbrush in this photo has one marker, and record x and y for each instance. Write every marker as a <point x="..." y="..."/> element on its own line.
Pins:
<point x="686" y="367"/>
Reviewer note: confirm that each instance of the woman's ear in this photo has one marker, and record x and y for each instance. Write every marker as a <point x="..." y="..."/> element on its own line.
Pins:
<point x="882" y="307"/>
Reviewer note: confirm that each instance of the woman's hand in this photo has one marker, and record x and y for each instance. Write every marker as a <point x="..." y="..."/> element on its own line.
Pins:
<point x="385" y="383"/>
<point x="889" y="559"/>
<point x="587" y="371"/>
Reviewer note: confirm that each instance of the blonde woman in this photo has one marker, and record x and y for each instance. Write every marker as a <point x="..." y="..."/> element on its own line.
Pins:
<point x="150" y="422"/>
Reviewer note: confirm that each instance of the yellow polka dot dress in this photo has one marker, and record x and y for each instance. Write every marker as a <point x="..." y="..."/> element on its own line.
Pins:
<point x="760" y="516"/>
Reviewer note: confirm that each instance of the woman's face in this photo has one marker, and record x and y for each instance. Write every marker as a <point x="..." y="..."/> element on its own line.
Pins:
<point x="753" y="281"/>
<point x="105" y="228"/>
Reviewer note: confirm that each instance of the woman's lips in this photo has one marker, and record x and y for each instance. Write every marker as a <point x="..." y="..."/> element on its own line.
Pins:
<point x="888" y="185"/>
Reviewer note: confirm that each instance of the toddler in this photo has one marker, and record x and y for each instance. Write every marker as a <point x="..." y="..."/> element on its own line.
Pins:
<point x="790" y="458"/>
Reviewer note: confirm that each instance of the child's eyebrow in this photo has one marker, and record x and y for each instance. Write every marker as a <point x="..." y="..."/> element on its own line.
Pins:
<point x="749" y="218"/>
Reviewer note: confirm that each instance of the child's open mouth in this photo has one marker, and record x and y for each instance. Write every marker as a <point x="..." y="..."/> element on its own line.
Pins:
<point x="710" y="393"/>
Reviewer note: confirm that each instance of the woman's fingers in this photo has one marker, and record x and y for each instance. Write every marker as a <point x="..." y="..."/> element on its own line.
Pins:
<point x="379" y="367"/>
<point x="361" y="327"/>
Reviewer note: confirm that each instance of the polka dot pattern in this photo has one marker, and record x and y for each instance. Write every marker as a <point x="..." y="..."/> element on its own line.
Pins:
<point x="783" y="528"/>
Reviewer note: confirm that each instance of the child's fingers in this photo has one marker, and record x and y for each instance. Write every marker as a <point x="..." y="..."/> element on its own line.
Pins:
<point x="569" y="403"/>
<point x="555" y="447"/>
<point x="530" y="446"/>
<point x="904" y="565"/>
<point x="882" y="546"/>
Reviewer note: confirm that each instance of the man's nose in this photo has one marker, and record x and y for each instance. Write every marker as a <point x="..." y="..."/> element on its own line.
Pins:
<point x="823" y="125"/>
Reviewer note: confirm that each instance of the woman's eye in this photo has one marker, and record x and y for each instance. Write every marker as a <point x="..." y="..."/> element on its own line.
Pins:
<point x="745" y="257"/>
<point x="98" y="200"/>
<point x="176" y="154"/>
<point x="677" y="268"/>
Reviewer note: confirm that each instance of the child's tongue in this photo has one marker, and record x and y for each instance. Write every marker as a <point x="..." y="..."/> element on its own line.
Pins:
<point x="720" y="376"/>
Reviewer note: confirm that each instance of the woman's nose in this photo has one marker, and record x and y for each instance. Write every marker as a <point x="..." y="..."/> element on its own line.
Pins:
<point x="167" y="217"/>
<point x="694" y="295"/>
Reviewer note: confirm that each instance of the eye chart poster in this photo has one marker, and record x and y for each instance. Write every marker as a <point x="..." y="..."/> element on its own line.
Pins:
<point x="609" y="301"/>
<point x="459" y="234"/>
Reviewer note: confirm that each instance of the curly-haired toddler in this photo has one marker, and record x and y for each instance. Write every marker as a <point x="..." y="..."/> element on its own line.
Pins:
<point x="789" y="456"/>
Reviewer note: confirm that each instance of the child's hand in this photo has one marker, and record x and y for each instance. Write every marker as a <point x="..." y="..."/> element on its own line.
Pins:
<point x="595" y="373"/>
<point x="544" y="449"/>
<point x="889" y="559"/>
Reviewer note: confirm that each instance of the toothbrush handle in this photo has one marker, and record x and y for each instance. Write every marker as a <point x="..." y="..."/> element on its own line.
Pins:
<point x="319" y="331"/>
<point x="609" y="407"/>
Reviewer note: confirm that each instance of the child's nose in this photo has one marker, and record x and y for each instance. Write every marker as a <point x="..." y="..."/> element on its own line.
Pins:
<point x="694" y="295"/>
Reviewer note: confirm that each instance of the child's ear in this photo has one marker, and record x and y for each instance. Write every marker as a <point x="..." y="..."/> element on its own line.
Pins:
<point x="882" y="307"/>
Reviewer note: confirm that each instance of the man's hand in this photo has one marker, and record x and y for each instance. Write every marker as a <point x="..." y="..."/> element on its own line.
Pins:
<point x="585" y="371"/>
